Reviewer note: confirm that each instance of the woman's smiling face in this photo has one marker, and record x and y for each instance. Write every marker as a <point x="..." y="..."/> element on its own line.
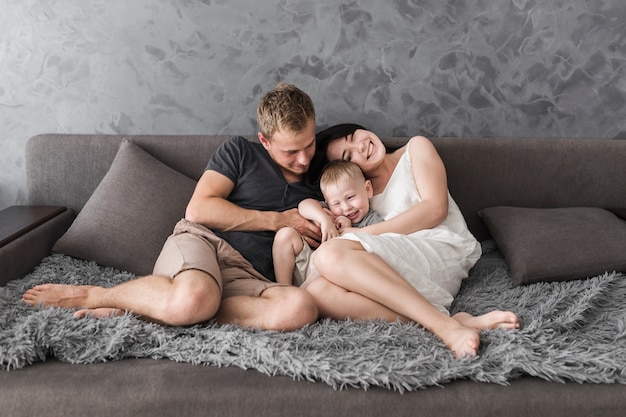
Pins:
<point x="362" y="147"/>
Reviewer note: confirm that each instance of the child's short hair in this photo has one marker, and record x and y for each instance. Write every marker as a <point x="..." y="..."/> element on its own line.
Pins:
<point x="339" y="171"/>
<point x="284" y="108"/>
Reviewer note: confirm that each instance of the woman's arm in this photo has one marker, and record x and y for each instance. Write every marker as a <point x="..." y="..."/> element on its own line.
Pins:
<point x="432" y="184"/>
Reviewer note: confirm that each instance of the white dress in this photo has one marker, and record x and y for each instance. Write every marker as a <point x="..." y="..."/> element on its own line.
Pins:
<point x="434" y="261"/>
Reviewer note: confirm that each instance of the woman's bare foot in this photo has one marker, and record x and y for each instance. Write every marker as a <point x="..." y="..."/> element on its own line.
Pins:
<point x="57" y="295"/>
<point x="98" y="313"/>
<point x="496" y="319"/>
<point x="463" y="341"/>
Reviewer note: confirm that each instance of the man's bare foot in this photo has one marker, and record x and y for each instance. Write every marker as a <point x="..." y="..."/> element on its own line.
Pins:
<point x="57" y="295"/>
<point x="496" y="319"/>
<point x="98" y="313"/>
<point x="463" y="341"/>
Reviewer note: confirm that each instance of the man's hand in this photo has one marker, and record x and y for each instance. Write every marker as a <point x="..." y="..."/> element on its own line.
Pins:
<point x="310" y="231"/>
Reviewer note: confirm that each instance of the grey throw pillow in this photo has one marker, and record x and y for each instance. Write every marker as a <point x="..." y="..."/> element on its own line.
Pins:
<point x="557" y="244"/>
<point x="130" y="214"/>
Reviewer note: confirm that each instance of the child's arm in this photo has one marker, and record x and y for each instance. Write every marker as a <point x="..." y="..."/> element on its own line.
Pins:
<point x="371" y="218"/>
<point x="312" y="209"/>
<point x="341" y="223"/>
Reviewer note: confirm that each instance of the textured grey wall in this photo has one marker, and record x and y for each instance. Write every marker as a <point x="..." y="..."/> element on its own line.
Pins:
<point x="517" y="68"/>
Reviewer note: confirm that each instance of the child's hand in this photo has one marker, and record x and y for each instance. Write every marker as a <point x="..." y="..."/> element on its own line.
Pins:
<point x="329" y="230"/>
<point x="342" y="222"/>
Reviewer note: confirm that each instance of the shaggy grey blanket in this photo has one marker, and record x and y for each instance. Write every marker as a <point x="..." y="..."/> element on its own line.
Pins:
<point x="572" y="331"/>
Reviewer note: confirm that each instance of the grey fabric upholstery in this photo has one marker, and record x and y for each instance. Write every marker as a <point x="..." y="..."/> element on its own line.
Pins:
<point x="145" y="387"/>
<point x="77" y="163"/>
<point x="130" y="214"/>
<point x="66" y="169"/>
<point x="481" y="172"/>
<point x="533" y="173"/>
<point x="557" y="244"/>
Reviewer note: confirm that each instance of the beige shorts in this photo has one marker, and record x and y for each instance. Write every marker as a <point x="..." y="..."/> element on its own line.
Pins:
<point x="193" y="246"/>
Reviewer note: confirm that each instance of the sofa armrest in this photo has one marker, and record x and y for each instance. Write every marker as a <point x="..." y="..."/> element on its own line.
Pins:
<point x="27" y="234"/>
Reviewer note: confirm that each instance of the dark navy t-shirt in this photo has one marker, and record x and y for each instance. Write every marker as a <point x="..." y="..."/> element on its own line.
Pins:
<point x="259" y="185"/>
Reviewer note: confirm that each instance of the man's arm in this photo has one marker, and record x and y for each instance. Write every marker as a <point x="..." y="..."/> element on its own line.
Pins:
<point x="209" y="206"/>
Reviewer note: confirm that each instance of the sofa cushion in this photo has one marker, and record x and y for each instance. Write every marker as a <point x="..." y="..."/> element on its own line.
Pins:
<point x="130" y="214"/>
<point x="557" y="244"/>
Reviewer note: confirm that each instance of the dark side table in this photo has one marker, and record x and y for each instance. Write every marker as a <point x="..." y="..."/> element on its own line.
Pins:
<point x="16" y="221"/>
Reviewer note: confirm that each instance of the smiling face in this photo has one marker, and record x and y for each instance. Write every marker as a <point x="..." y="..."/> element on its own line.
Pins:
<point x="349" y="197"/>
<point x="363" y="148"/>
<point x="291" y="151"/>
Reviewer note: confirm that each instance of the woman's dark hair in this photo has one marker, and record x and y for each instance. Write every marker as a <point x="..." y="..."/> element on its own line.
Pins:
<point x="322" y="139"/>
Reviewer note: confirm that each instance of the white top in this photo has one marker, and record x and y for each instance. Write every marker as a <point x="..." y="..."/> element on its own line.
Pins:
<point x="434" y="261"/>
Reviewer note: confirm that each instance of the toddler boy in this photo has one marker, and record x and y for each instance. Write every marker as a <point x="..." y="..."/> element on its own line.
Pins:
<point x="346" y="194"/>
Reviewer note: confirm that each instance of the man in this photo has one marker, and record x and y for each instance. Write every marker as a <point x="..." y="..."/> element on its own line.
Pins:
<point x="247" y="193"/>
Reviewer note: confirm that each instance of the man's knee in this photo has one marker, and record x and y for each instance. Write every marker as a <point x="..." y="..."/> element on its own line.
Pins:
<point x="294" y="308"/>
<point x="196" y="298"/>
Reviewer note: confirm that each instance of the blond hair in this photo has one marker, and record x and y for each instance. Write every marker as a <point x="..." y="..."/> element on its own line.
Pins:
<point x="284" y="108"/>
<point x="336" y="172"/>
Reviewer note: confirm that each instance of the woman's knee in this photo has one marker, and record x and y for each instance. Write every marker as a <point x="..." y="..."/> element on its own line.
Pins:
<point x="329" y="252"/>
<point x="333" y="255"/>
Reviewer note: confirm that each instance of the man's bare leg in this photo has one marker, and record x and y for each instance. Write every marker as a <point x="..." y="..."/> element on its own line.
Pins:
<point x="98" y="313"/>
<point x="68" y="296"/>
<point x="277" y="308"/>
<point x="58" y="295"/>
<point x="191" y="297"/>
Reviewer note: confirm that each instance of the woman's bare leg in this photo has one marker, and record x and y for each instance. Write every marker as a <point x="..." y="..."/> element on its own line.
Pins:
<point x="496" y="319"/>
<point x="346" y="264"/>
<point x="340" y="304"/>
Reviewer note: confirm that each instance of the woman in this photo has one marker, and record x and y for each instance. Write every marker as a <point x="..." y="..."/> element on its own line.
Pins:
<point x="410" y="266"/>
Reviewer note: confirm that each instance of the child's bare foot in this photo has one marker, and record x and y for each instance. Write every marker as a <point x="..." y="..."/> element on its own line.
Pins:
<point x="98" y="313"/>
<point x="57" y="295"/>
<point x="496" y="319"/>
<point x="463" y="341"/>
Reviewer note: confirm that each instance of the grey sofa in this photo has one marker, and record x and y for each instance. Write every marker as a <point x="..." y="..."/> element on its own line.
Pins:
<point x="64" y="170"/>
